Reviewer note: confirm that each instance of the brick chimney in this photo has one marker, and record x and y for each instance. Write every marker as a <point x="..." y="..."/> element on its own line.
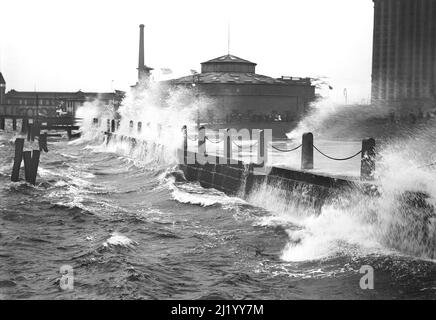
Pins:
<point x="143" y="70"/>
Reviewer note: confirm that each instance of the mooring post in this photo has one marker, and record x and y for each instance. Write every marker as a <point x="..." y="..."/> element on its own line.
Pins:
<point x="19" y="145"/>
<point x="367" y="167"/>
<point x="307" y="151"/>
<point x="2" y="123"/>
<point x="14" y="124"/>
<point x="27" y="157"/>
<point x="261" y="153"/>
<point x="113" y="125"/>
<point x="95" y="122"/>
<point x="185" y="143"/>
<point x="24" y="125"/>
<point x="130" y="126"/>
<point x="29" y="131"/>
<point x="69" y="133"/>
<point x="201" y="140"/>
<point x="118" y="124"/>
<point x="34" y="166"/>
<point x="43" y="142"/>
<point x="139" y="127"/>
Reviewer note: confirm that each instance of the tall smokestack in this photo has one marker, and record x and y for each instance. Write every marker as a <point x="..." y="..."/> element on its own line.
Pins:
<point x="141" y="47"/>
<point x="143" y="70"/>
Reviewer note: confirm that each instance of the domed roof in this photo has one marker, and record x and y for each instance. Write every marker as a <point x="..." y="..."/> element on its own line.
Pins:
<point x="229" y="58"/>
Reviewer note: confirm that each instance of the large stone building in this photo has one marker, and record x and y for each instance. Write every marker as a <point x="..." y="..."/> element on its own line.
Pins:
<point x="50" y="104"/>
<point x="404" y="55"/>
<point x="238" y="93"/>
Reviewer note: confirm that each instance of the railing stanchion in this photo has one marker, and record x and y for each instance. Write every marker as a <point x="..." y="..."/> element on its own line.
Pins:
<point x="367" y="168"/>
<point x="307" y="151"/>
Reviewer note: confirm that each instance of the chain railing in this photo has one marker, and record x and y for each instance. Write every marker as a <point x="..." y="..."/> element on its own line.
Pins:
<point x="337" y="159"/>
<point x="286" y="150"/>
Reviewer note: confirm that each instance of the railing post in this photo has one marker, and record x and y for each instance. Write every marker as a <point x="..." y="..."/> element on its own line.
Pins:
<point x="201" y="149"/>
<point x="367" y="167"/>
<point x="19" y="145"/>
<point x="185" y="143"/>
<point x="228" y="145"/>
<point x="307" y="151"/>
<point x="2" y="123"/>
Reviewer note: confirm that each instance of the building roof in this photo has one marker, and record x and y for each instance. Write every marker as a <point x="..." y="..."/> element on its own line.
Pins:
<point x="2" y="80"/>
<point x="229" y="58"/>
<point x="65" y="95"/>
<point x="236" y="78"/>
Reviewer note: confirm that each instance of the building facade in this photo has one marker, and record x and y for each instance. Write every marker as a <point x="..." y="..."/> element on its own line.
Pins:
<point x="50" y="104"/>
<point x="404" y="55"/>
<point x="238" y="94"/>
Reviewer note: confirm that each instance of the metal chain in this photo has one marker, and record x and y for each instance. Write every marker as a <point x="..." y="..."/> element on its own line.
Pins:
<point x="216" y="141"/>
<point x="281" y="150"/>
<point x="337" y="159"/>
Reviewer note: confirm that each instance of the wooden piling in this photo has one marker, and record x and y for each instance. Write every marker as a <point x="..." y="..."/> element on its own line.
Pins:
<point x="307" y="151"/>
<point x="19" y="145"/>
<point x="139" y="127"/>
<point x="14" y="124"/>
<point x="24" y="126"/>
<point x="33" y="170"/>
<point x="2" y="123"/>
<point x="69" y="133"/>
<point x="367" y="167"/>
<point x="27" y="157"/>
<point x="43" y="142"/>
<point x="112" y="125"/>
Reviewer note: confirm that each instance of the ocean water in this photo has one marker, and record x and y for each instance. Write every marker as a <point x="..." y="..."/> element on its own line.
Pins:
<point x="130" y="227"/>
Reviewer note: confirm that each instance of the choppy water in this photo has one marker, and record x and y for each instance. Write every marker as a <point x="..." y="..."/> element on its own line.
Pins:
<point x="132" y="229"/>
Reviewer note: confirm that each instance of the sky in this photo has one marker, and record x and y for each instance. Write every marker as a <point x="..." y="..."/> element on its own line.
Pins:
<point x="92" y="45"/>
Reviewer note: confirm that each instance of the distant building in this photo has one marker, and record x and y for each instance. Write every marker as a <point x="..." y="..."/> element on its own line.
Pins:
<point x="404" y="54"/>
<point x="239" y="94"/>
<point x="50" y="104"/>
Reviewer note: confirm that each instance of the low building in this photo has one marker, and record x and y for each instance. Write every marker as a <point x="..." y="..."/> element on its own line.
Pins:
<point x="50" y="104"/>
<point x="239" y="94"/>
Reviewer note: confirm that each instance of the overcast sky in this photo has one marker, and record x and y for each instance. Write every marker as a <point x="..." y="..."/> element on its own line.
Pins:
<point x="70" y="45"/>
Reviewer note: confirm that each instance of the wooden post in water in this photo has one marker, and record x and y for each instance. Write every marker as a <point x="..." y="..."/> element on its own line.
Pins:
<point x="307" y="151"/>
<point x="185" y="143"/>
<point x="367" y="167"/>
<point x="24" y="125"/>
<point x="27" y="157"/>
<point x="14" y="124"/>
<point x="19" y="145"/>
<point x="112" y="125"/>
<point x="201" y="140"/>
<point x="2" y="123"/>
<point x="31" y="163"/>
<point x="69" y="133"/>
<point x="43" y="142"/>
<point x="139" y="127"/>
